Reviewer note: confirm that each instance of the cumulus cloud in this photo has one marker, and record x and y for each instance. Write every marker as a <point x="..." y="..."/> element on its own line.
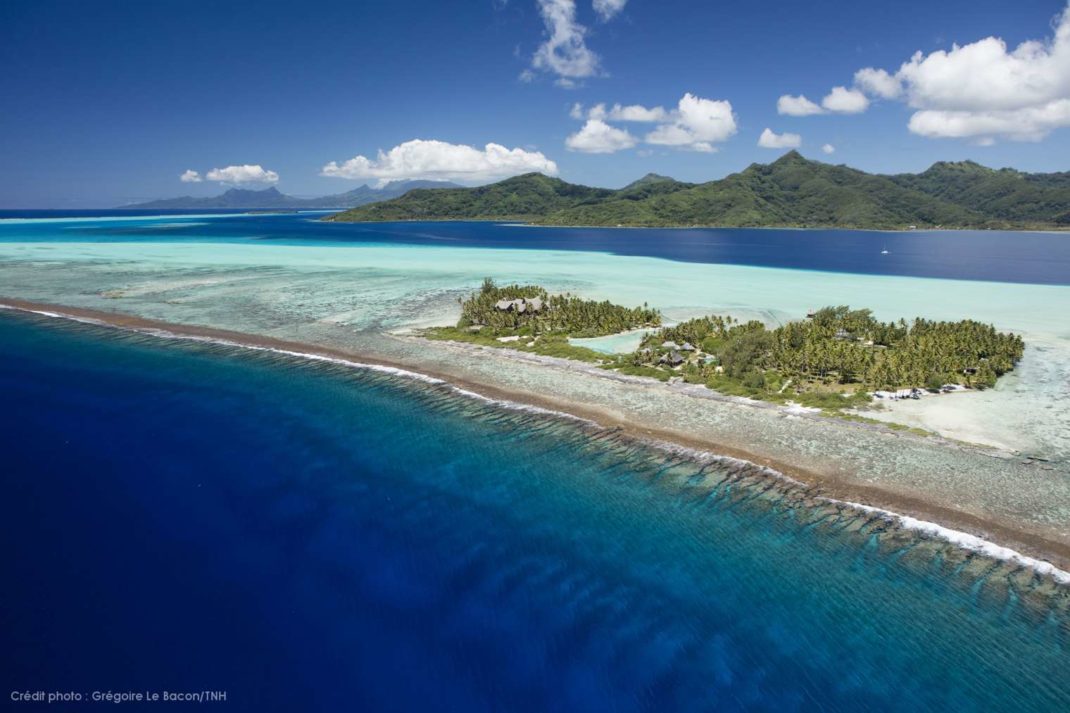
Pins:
<point x="597" y="136"/>
<point x="1031" y="123"/>
<point x="696" y="124"/>
<point x="840" y="100"/>
<point x="247" y="173"/>
<point x="845" y="101"/>
<point x="771" y="140"/>
<point x="878" y="83"/>
<point x="797" y="106"/>
<point x="618" y="112"/>
<point x="190" y="176"/>
<point x="564" y="51"/>
<point x="828" y="149"/>
<point x="984" y="90"/>
<point x="608" y="9"/>
<point x="438" y="160"/>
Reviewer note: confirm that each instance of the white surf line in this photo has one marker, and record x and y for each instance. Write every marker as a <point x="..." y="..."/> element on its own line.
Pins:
<point x="956" y="537"/>
<point x="518" y="406"/>
<point x="166" y="334"/>
<point x="311" y="356"/>
<point x="57" y="315"/>
<point x="706" y="457"/>
<point x="962" y="539"/>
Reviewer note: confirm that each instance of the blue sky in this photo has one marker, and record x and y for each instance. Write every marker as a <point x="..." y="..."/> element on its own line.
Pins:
<point x="111" y="102"/>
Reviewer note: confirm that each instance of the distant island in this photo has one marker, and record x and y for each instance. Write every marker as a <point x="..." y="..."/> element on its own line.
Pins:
<point x="272" y="199"/>
<point x="790" y="192"/>
<point x="835" y="358"/>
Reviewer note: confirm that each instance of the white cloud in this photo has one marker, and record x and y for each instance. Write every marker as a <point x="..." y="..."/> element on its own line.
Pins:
<point x="845" y="101"/>
<point x="797" y="106"/>
<point x="420" y="159"/>
<point x="878" y="83"/>
<point x="597" y="136"/>
<point x="248" y="173"/>
<point x="637" y="112"/>
<point x="696" y="124"/>
<point x="598" y="111"/>
<point x="190" y="176"/>
<point x="840" y="100"/>
<point x="618" y="112"/>
<point x="608" y="9"/>
<point x="564" y="52"/>
<point x="771" y="140"/>
<point x="1025" y="124"/>
<point x="983" y="90"/>
<point x="828" y="149"/>
<point x="984" y="76"/>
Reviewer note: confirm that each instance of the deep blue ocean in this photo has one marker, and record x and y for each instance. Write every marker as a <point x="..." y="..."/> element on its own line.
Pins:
<point x="1038" y="258"/>
<point x="311" y="537"/>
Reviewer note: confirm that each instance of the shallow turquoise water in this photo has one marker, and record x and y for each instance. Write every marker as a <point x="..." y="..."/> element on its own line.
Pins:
<point x="622" y="343"/>
<point x="280" y="274"/>
<point x="315" y="537"/>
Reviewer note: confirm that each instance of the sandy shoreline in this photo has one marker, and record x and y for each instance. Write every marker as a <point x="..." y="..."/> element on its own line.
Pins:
<point x="962" y="525"/>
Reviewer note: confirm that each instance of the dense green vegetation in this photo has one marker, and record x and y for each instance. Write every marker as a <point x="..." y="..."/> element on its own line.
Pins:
<point x="832" y="350"/>
<point x="1003" y="194"/>
<point x="791" y="191"/>
<point x="544" y="314"/>
<point x="520" y="197"/>
<point x="833" y="359"/>
<point x="492" y="317"/>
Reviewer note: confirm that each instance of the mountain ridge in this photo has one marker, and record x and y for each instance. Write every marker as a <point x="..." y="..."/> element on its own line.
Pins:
<point x="272" y="198"/>
<point x="792" y="191"/>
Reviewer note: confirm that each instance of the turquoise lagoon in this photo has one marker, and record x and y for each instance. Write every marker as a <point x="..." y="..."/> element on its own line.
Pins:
<point x="281" y="274"/>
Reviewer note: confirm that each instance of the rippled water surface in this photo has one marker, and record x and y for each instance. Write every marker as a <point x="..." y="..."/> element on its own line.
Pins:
<point x="314" y="537"/>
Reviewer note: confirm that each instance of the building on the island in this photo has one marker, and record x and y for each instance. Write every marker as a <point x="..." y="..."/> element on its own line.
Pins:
<point x="687" y="347"/>
<point x="673" y="358"/>
<point x="519" y="305"/>
<point x="843" y="335"/>
<point x="670" y="345"/>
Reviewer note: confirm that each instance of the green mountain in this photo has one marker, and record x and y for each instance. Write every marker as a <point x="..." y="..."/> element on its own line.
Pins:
<point x="791" y="191"/>
<point x="272" y="199"/>
<point x="526" y="196"/>
<point x="1004" y="194"/>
